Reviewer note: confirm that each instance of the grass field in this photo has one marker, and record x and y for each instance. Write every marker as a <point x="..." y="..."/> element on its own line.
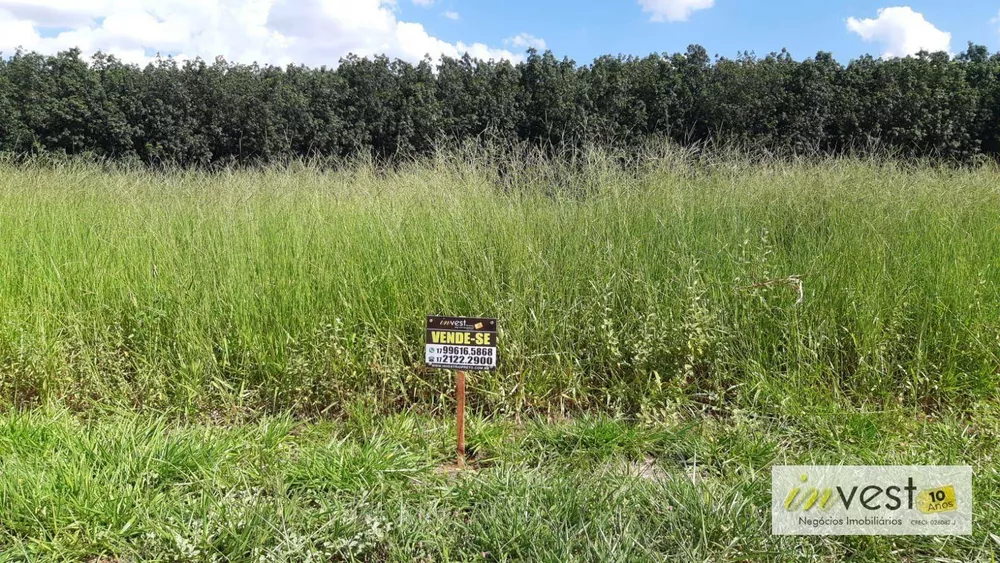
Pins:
<point x="368" y="487"/>
<point x="619" y="290"/>
<point x="229" y="365"/>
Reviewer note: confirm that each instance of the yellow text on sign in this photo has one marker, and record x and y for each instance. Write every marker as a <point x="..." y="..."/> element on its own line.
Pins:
<point x="941" y="499"/>
<point x="461" y="338"/>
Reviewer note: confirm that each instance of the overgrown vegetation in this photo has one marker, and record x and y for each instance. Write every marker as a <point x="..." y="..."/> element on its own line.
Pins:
<point x="201" y="113"/>
<point x="670" y="285"/>
<point x="205" y="361"/>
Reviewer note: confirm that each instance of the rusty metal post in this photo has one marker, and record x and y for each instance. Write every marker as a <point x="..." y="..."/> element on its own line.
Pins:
<point x="461" y="418"/>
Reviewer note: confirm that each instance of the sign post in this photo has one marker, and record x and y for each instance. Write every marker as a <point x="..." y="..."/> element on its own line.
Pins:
<point x="460" y="417"/>
<point x="462" y="344"/>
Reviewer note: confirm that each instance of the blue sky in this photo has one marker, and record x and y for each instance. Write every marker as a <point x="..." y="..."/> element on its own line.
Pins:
<point x="320" y="32"/>
<point x="585" y="29"/>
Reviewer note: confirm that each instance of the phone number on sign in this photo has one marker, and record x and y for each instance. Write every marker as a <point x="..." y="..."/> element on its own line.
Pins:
<point x="466" y="360"/>
<point x="466" y="351"/>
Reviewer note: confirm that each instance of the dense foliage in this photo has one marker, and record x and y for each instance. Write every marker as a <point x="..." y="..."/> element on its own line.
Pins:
<point x="199" y="113"/>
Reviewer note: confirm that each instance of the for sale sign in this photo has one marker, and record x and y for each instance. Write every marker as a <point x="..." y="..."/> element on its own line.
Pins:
<point x="461" y="343"/>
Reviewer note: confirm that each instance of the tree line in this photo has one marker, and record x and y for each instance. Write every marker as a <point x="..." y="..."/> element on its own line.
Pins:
<point x="199" y="113"/>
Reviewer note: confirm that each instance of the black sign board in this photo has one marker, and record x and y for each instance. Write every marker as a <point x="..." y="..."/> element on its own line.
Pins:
<point x="461" y="343"/>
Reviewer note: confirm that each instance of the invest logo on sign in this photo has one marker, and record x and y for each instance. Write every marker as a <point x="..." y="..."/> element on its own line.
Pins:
<point x="871" y="500"/>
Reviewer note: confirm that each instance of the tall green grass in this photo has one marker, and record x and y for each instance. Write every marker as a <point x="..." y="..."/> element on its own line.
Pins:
<point x="624" y="288"/>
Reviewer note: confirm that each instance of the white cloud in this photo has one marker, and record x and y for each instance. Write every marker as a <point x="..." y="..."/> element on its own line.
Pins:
<point x="14" y="32"/>
<point x="424" y="3"/>
<point x="313" y="32"/>
<point x="901" y="32"/>
<point x="674" y="10"/>
<point x="453" y="16"/>
<point x="524" y="41"/>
